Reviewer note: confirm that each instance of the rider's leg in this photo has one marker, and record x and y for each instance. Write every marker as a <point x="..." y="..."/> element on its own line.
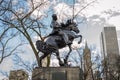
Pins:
<point x="52" y="33"/>
<point x="65" y="37"/>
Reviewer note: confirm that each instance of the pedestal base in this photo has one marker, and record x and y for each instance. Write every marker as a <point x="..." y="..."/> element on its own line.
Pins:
<point x="56" y="73"/>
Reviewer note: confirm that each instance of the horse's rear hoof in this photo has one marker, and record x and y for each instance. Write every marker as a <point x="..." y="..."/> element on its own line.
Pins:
<point x="79" y="42"/>
<point x="61" y="64"/>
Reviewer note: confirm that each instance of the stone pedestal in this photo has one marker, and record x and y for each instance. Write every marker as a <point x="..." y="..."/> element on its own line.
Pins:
<point x="56" y="73"/>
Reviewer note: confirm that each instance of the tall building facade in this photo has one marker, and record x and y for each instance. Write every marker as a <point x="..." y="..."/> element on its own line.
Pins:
<point x="87" y="63"/>
<point x="118" y="35"/>
<point x="110" y="51"/>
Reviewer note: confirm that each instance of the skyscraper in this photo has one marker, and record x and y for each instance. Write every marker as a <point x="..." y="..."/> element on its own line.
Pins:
<point x="110" y="50"/>
<point x="118" y="35"/>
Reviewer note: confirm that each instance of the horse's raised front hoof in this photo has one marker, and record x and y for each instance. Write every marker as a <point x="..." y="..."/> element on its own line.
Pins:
<point x="79" y="42"/>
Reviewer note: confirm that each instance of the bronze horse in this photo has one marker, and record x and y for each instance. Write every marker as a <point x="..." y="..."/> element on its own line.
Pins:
<point x="53" y="43"/>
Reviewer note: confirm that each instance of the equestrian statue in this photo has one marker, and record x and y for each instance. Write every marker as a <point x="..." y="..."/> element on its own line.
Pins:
<point x="61" y="36"/>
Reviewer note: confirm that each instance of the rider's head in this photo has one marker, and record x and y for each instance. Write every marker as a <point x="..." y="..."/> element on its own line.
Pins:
<point x="54" y="17"/>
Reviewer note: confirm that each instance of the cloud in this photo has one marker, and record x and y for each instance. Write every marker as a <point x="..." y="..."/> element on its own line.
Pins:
<point x="3" y="77"/>
<point x="115" y="21"/>
<point x="63" y="11"/>
<point x="6" y="65"/>
<point x="14" y="2"/>
<point x="115" y="14"/>
<point x="28" y="54"/>
<point x="94" y="17"/>
<point x="54" y="63"/>
<point x="40" y="11"/>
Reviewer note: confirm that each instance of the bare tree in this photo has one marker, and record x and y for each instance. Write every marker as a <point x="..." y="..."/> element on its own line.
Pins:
<point x="108" y="72"/>
<point x="118" y="66"/>
<point x="25" y="65"/>
<point x="19" y="17"/>
<point x="94" y="69"/>
<point x="5" y="50"/>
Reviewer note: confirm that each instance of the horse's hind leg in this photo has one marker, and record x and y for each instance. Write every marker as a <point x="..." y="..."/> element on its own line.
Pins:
<point x="42" y="57"/>
<point x="58" y="57"/>
<point x="66" y="58"/>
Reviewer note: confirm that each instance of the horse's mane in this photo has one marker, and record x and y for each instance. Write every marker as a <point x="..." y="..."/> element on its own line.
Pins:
<point x="64" y="26"/>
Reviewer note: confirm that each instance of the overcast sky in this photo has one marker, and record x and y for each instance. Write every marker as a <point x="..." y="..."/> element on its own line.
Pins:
<point x="103" y="13"/>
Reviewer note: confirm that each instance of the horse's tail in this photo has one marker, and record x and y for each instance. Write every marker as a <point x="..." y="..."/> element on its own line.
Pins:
<point x="39" y="45"/>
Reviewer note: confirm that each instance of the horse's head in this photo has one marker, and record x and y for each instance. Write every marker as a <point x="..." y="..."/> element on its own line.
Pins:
<point x="73" y="27"/>
<point x="70" y="25"/>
